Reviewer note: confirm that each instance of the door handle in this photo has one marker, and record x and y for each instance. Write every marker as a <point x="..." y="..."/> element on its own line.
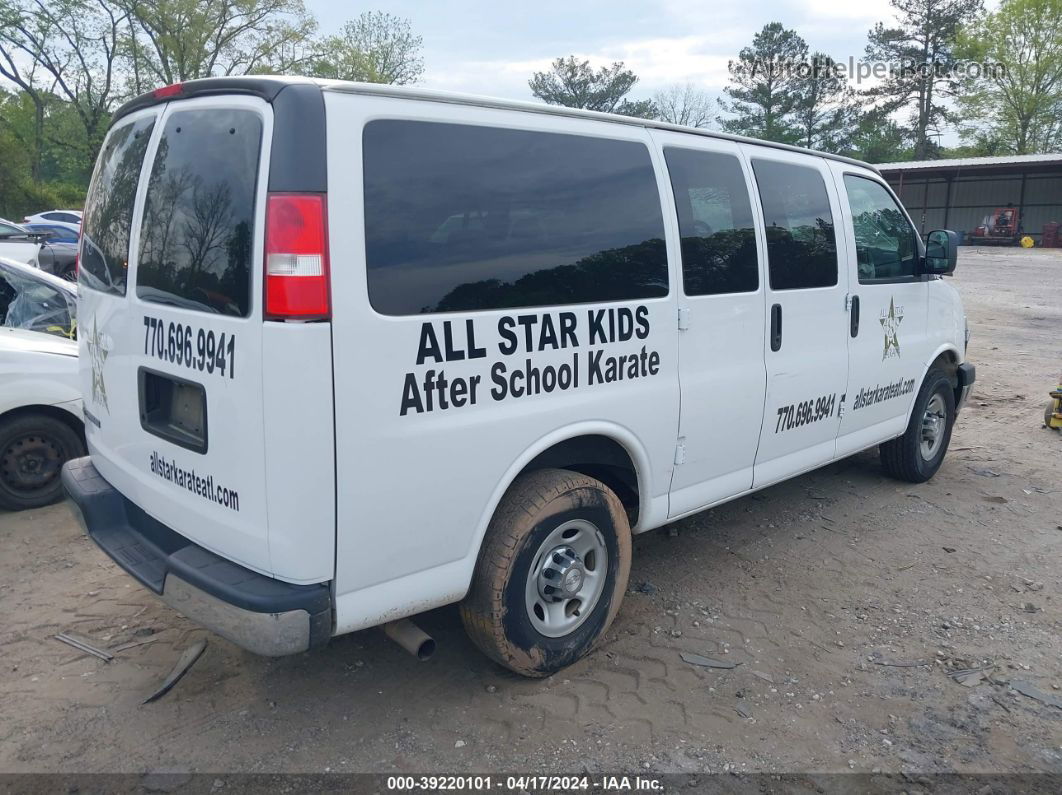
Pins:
<point x="854" y="318"/>
<point x="776" y="327"/>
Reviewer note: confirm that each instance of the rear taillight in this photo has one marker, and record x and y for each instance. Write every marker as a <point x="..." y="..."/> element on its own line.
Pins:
<point x="296" y="258"/>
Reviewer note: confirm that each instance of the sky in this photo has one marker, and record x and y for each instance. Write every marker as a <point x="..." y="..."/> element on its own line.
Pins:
<point x="493" y="48"/>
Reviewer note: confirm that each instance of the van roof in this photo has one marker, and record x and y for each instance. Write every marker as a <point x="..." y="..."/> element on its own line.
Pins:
<point x="268" y="86"/>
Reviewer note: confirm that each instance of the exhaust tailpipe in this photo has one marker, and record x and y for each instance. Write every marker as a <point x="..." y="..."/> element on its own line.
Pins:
<point x="410" y="637"/>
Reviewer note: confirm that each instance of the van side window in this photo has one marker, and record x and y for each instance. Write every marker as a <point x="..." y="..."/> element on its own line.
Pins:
<point x="462" y="217"/>
<point x="886" y="247"/>
<point x="715" y="222"/>
<point x="198" y="228"/>
<point x="109" y="208"/>
<point x="801" y="244"/>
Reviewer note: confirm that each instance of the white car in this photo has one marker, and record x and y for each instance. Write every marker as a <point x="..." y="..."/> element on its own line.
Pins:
<point x="352" y="352"/>
<point x="41" y="424"/>
<point x="71" y="219"/>
<point x="18" y="244"/>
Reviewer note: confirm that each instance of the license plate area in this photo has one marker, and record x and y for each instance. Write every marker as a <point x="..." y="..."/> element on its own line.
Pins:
<point x="173" y="409"/>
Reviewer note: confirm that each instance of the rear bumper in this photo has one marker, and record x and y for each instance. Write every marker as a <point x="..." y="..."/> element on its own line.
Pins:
<point x="967" y="374"/>
<point x="262" y="615"/>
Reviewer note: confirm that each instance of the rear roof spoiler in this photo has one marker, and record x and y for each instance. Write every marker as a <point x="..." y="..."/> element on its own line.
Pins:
<point x="298" y="162"/>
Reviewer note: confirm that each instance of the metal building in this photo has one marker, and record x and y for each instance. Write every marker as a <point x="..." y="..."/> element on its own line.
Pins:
<point x="958" y="194"/>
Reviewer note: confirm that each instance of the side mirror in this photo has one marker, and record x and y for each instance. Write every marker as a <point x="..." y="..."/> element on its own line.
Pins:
<point x="942" y="250"/>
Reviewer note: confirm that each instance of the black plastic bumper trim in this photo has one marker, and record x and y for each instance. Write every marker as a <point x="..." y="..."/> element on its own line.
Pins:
<point x="967" y="374"/>
<point x="148" y="551"/>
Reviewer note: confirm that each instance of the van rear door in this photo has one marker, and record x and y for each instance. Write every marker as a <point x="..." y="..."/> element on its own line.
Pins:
<point x="183" y="380"/>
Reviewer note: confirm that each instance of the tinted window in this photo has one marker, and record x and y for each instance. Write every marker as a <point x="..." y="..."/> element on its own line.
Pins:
<point x="70" y="218"/>
<point x="715" y="222"/>
<point x="459" y="217"/>
<point x="801" y="247"/>
<point x="886" y="247"/>
<point x="198" y="228"/>
<point x="8" y="229"/>
<point x="109" y="207"/>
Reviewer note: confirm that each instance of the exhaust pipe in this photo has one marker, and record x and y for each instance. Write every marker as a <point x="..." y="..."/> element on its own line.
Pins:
<point x="410" y="637"/>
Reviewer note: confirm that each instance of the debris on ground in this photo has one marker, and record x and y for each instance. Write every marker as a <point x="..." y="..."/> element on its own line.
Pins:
<point x="81" y="644"/>
<point x="1032" y="691"/>
<point x="706" y="662"/>
<point x="187" y="660"/>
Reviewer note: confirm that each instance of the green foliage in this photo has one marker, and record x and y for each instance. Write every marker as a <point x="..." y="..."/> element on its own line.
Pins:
<point x="921" y="51"/>
<point x="375" y="47"/>
<point x="879" y="139"/>
<point x="71" y="62"/>
<point x="826" y="112"/>
<point x="170" y="41"/>
<point x="576" y="84"/>
<point x="764" y="91"/>
<point x="1016" y="109"/>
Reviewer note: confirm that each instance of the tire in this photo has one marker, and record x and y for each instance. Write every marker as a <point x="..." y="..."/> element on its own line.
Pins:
<point x="913" y="457"/>
<point x="542" y="512"/>
<point x="33" y="449"/>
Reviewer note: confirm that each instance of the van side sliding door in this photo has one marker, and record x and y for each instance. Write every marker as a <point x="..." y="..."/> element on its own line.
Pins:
<point x="807" y="322"/>
<point x="721" y="305"/>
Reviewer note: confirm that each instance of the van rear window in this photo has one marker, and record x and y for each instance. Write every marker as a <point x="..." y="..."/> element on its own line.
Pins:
<point x="197" y="236"/>
<point x="462" y="217"/>
<point x="109" y="207"/>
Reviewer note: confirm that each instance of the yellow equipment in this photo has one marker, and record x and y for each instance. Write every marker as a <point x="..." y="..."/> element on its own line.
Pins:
<point x="1027" y="242"/>
<point x="1053" y="412"/>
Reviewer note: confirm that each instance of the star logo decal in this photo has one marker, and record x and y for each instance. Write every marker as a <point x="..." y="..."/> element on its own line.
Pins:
<point x="890" y="324"/>
<point x="97" y="356"/>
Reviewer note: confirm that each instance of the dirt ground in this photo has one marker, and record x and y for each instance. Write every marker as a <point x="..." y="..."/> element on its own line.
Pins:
<point x="844" y="598"/>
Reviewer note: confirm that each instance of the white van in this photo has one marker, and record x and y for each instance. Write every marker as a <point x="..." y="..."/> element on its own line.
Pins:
<point x="352" y="352"/>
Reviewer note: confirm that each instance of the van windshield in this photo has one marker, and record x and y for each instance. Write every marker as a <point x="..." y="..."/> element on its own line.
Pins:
<point x="198" y="228"/>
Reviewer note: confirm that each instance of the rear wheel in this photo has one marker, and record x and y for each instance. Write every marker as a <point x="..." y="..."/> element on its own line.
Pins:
<point x="917" y="455"/>
<point x="33" y="449"/>
<point x="551" y="574"/>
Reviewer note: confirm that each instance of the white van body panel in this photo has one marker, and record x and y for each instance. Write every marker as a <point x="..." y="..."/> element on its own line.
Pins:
<point x="122" y="450"/>
<point x="812" y="362"/>
<point x="449" y="468"/>
<point x="721" y="368"/>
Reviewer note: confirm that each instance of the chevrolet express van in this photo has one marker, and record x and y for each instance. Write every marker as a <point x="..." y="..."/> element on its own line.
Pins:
<point x="353" y="352"/>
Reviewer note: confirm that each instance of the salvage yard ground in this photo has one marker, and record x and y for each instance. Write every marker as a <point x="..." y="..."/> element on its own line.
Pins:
<point x="849" y="603"/>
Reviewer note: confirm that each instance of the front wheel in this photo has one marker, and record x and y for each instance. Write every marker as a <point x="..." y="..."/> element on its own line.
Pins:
<point x="917" y="455"/>
<point x="551" y="574"/>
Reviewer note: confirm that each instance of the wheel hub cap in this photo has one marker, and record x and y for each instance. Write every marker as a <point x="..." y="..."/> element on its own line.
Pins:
<point x="567" y="578"/>
<point x="933" y="425"/>
<point x="562" y="575"/>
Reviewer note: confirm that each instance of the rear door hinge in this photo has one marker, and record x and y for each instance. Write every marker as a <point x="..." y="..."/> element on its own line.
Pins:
<point x="683" y="318"/>
<point x="680" y="451"/>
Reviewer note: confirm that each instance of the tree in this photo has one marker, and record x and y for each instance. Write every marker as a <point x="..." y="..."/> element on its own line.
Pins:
<point x="170" y="41"/>
<point x="375" y="47"/>
<point x="575" y="84"/>
<point x="685" y="105"/>
<point x="73" y="45"/>
<point x="879" y="139"/>
<point x="1015" y="109"/>
<point x="920" y="52"/>
<point x="826" y="112"/>
<point x="764" y="85"/>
